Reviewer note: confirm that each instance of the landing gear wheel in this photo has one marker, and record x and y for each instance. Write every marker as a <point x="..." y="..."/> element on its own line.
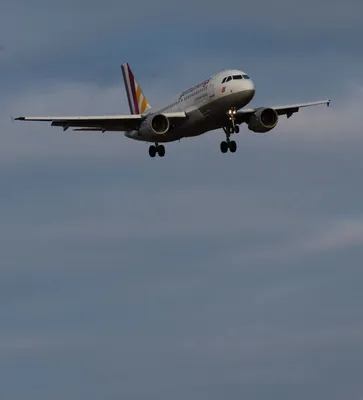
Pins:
<point x="233" y="146"/>
<point x="161" y="151"/>
<point x="152" y="151"/>
<point x="236" y="129"/>
<point x="224" y="147"/>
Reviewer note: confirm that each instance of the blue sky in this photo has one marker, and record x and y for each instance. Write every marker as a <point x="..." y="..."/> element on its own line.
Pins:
<point x="199" y="275"/>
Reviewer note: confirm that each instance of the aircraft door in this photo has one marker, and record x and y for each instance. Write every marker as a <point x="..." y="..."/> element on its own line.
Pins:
<point x="211" y="91"/>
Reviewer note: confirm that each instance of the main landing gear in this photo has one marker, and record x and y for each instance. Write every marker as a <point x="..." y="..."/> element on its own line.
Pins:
<point x="228" y="144"/>
<point x="229" y="130"/>
<point x="160" y="149"/>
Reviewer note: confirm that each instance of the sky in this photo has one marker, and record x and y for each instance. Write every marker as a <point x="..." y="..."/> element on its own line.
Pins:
<point x="200" y="275"/>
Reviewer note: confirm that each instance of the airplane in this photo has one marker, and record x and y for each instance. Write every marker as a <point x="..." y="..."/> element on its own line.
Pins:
<point x="215" y="103"/>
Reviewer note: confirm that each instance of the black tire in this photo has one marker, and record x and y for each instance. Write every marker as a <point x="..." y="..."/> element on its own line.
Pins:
<point x="161" y="150"/>
<point x="236" y="129"/>
<point x="233" y="146"/>
<point x="224" y="147"/>
<point x="152" y="151"/>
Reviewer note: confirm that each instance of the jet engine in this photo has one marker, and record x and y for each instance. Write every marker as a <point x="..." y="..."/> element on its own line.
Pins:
<point x="158" y="124"/>
<point x="263" y="120"/>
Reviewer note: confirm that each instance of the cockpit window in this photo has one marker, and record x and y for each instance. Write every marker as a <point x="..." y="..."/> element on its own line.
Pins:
<point x="229" y="78"/>
<point x="246" y="77"/>
<point x="224" y="80"/>
<point x="237" y="76"/>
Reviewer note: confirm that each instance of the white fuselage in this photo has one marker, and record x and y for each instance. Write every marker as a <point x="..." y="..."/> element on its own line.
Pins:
<point x="206" y="106"/>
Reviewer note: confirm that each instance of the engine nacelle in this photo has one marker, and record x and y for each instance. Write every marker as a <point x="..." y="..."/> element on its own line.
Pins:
<point x="263" y="120"/>
<point x="158" y="124"/>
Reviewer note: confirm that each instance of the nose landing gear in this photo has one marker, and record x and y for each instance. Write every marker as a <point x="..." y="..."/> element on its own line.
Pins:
<point x="233" y="128"/>
<point x="228" y="130"/>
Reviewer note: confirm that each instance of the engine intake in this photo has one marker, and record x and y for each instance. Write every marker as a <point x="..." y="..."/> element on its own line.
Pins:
<point x="263" y="120"/>
<point x="160" y="124"/>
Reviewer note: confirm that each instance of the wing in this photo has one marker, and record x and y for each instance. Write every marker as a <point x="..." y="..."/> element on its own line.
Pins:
<point x="103" y="123"/>
<point x="243" y="115"/>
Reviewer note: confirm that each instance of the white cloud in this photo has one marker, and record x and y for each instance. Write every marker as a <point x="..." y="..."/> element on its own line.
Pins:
<point x="344" y="233"/>
<point x="24" y="141"/>
<point x="319" y="237"/>
<point x="319" y="126"/>
<point x="339" y="125"/>
<point x="187" y="214"/>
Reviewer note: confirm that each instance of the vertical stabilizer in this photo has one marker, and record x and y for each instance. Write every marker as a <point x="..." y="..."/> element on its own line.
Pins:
<point x="137" y="101"/>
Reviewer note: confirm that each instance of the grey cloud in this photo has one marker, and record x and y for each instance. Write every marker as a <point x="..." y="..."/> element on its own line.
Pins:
<point x="171" y="326"/>
<point x="79" y="23"/>
<point x="197" y="276"/>
<point x="11" y="346"/>
<point x="185" y="218"/>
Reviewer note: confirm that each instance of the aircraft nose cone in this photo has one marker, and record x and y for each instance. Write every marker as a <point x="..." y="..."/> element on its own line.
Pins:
<point x="250" y="90"/>
<point x="250" y="85"/>
<point x="250" y="93"/>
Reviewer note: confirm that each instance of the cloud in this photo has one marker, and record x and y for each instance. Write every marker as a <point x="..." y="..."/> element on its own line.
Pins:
<point x="14" y="346"/>
<point x="94" y="24"/>
<point x="266" y="342"/>
<point x="23" y="140"/>
<point x="271" y="227"/>
<point x="200" y="276"/>
<point x="340" y="235"/>
<point x="345" y="233"/>
<point x="337" y="126"/>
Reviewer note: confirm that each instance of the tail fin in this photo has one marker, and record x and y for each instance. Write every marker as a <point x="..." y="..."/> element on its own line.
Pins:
<point x="137" y="101"/>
